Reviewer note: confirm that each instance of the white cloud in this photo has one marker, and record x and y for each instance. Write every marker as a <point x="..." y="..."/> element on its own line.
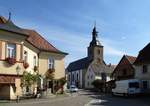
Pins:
<point x="74" y="43"/>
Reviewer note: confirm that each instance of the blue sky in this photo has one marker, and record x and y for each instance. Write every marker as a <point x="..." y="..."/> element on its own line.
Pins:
<point x="123" y="25"/>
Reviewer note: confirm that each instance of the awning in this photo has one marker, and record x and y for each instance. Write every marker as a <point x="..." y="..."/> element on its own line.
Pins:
<point x="8" y="79"/>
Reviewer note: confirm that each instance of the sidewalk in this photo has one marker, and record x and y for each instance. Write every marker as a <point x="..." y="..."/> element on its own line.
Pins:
<point x="51" y="97"/>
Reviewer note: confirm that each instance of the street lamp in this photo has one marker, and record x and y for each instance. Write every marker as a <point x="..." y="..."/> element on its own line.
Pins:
<point x="17" y="70"/>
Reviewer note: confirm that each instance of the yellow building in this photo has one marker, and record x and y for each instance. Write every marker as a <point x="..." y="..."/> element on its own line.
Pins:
<point x="23" y="50"/>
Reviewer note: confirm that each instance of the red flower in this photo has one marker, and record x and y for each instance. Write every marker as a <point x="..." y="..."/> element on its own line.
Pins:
<point x="11" y="60"/>
<point x="51" y="70"/>
<point x="25" y="64"/>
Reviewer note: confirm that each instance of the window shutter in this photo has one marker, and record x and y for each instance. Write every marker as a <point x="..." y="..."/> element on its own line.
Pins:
<point x="0" y="49"/>
<point x="3" y="50"/>
<point x="18" y="52"/>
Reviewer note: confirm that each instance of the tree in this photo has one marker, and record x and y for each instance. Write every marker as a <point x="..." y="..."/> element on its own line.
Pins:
<point x="29" y="79"/>
<point x="49" y="75"/>
<point x="98" y="84"/>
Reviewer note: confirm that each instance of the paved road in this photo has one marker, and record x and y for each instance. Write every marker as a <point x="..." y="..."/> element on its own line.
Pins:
<point x="85" y="98"/>
<point x="109" y="100"/>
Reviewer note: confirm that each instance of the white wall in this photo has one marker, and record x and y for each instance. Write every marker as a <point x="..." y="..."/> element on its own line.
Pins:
<point x="30" y="59"/>
<point x="139" y="73"/>
<point x="89" y="78"/>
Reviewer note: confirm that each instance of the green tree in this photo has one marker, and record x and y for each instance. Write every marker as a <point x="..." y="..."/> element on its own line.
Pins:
<point x="98" y="84"/>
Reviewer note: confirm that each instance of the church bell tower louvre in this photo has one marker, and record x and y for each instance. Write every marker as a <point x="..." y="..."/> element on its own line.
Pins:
<point x="95" y="49"/>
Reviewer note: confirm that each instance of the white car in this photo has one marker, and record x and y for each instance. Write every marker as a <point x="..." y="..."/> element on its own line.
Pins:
<point x="73" y="88"/>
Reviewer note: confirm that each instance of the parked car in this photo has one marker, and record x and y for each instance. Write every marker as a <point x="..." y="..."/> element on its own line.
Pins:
<point x="73" y="88"/>
<point x="127" y="87"/>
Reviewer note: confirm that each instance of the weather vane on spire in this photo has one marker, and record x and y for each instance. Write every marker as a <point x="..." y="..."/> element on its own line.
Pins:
<point x="94" y="33"/>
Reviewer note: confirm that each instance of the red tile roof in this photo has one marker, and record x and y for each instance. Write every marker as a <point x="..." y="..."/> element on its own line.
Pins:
<point x="131" y="58"/>
<point x="39" y="42"/>
<point x="33" y="37"/>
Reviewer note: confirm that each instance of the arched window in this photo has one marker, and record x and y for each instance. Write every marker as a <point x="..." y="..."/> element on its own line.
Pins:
<point x="50" y="63"/>
<point x="77" y="77"/>
<point x="25" y="56"/>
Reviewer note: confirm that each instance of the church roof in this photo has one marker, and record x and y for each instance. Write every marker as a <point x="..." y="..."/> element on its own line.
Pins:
<point x="79" y="64"/>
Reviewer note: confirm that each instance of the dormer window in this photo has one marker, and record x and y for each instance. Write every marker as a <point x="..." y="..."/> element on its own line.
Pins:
<point x="50" y="63"/>
<point x="11" y="50"/>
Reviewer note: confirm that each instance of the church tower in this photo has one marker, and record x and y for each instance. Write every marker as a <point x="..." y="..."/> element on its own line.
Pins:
<point x="95" y="49"/>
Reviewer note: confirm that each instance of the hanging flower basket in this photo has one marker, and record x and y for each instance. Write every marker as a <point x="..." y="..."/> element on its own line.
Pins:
<point x="25" y="65"/>
<point x="51" y="70"/>
<point x="11" y="60"/>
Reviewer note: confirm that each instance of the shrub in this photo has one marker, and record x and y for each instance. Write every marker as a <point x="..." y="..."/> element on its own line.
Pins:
<point x="98" y="83"/>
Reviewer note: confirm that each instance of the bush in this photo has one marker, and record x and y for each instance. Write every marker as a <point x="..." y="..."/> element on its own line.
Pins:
<point x="98" y="83"/>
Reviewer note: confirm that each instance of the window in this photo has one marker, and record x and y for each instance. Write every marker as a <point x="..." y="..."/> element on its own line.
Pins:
<point x="133" y="85"/>
<point x="73" y="77"/>
<point x="145" y="84"/>
<point x="88" y="77"/>
<point x="51" y="63"/>
<point x="69" y="77"/>
<point x="98" y="51"/>
<point x="25" y="58"/>
<point x="77" y="77"/>
<point x="11" y="50"/>
<point x="144" y="68"/>
<point x="34" y="61"/>
<point x="91" y="76"/>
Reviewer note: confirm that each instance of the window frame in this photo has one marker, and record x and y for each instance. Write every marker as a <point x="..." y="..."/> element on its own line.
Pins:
<point x="12" y="48"/>
<point x="144" y="69"/>
<point x="51" y="63"/>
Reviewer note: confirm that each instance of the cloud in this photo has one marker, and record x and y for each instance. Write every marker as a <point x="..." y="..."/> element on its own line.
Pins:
<point x="75" y="43"/>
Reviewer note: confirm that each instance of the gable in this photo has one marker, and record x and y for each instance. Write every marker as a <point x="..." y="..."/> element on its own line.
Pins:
<point x="124" y="64"/>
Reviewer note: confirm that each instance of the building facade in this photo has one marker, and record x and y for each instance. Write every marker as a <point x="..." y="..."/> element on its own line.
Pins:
<point x="23" y="50"/>
<point x="84" y="71"/>
<point x="125" y="68"/>
<point x="142" y="66"/>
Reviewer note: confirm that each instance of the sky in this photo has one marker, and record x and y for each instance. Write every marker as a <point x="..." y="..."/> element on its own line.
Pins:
<point x="123" y="25"/>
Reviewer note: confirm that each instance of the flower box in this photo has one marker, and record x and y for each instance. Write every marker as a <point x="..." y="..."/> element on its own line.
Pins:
<point x="11" y="60"/>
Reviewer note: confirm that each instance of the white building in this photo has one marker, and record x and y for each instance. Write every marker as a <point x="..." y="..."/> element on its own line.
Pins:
<point x="83" y="71"/>
<point x="142" y="67"/>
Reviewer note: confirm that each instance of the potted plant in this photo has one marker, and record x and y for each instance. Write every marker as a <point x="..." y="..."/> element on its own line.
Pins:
<point x="51" y="70"/>
<point x="11" y="60"/>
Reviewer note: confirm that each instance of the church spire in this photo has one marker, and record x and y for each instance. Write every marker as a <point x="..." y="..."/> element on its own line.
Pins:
<point x="94" y="36"/>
